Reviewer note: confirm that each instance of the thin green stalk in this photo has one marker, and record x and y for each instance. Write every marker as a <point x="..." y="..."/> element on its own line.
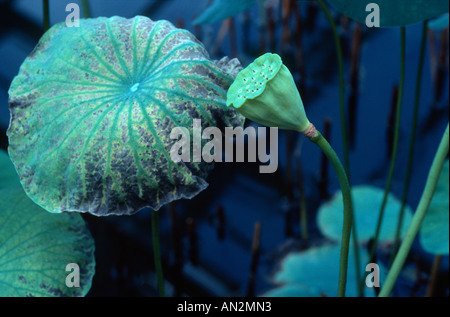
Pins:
<point x="395" y="143"/>
<point x="344" y="129"/>
<point x="342" y="111"/>
<point x="412" y="138"/>
<point x="46" y="11"/>
<point x="86" y="9"/>
<point x="348" y="212"/>
<point x="424" y="203"/>
<point x="157" y="253"/>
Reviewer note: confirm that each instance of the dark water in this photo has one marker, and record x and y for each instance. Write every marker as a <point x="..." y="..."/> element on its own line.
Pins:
<point x="123" y="244"/>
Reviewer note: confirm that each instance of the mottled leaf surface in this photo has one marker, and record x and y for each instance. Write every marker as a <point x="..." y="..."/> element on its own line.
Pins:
<point x="434" y="232"/>
<point x="36" y="246"/>
<point x="393" y="12"/>
<point x="92" y="109"/>
<point x="366" y="207"/>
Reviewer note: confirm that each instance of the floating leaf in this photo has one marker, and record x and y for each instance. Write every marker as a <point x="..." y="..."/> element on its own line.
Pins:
<point x="291" y="290"/>
<point x="92" y="109"/>
<point x="393" y="13"/>
<point x="366" y="207"/>
<point x="315" y="272"/>
<point x="439" y="23"/>
<point x="36" y="246"/>
<point x="221" y="9"/>
<point x="434" y="232"/>
<point x="8" y="175"/>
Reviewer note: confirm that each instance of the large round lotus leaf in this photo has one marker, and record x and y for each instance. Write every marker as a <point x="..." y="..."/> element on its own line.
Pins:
<point x="434" y="232"/>
<point x="393" y="12"/>
<point x="366" y="208"/>
<point x="315" y="272"/>
<point x="36" y="246"/>
<point x="92" y="109"/>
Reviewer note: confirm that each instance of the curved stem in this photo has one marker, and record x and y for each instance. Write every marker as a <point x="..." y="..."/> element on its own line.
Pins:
<point x="425" y="200"/>
<point x="157" y="253"/>
<point x="395" y="143"/>
<point x="412" y="138"/>
<point x="347" y="199"/>
<point x="344" y="129"/>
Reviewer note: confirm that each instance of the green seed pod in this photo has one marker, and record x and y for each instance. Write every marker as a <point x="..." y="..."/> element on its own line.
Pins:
<point x="265" y="92"/>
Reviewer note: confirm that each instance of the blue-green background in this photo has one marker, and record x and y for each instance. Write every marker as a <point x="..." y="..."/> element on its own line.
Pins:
<point x="123" y="244"/>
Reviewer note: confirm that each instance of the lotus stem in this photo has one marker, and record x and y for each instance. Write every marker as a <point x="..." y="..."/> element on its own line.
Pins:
<point x="395" y="143"/>
<point x="419" y="215"/>
<point x="344" y="128"/>
<point x="326" y="148"/>
<point x="342" y="111"/>
<point x="412" y="138"/>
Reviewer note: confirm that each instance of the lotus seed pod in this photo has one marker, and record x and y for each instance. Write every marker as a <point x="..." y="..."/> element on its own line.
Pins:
<point x="265" y="92"/>
<point x="93" y="107"/>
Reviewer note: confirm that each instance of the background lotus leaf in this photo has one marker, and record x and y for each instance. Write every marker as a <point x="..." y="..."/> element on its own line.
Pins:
<point x="366" y="207"/>
<point x="36" y="246"/>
